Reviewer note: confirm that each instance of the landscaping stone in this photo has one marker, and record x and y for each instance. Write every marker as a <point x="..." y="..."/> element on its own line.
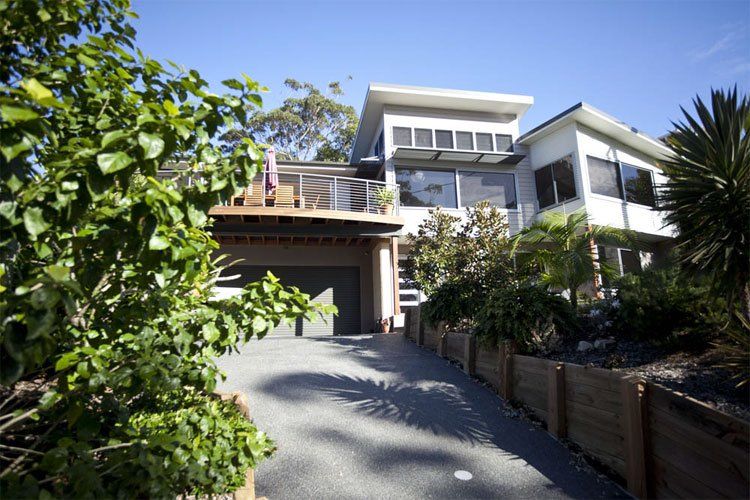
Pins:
<point x="584" y="346"/>
<point x="603" y="343"/>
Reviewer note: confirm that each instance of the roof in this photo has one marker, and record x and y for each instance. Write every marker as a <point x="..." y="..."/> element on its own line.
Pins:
<point x="602" y="122"/>
<point x="381" y="94"/>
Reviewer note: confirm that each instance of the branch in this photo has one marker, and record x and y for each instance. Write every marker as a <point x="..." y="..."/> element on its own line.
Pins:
<point x="19" y="418"/>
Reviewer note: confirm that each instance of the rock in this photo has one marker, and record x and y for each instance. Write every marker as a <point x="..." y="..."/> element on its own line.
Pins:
<point x="603" y="343"/>
<point x="584" y="346"/>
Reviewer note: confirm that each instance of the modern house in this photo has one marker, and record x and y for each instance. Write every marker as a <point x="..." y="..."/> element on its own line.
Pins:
<point x="328" y="229"/>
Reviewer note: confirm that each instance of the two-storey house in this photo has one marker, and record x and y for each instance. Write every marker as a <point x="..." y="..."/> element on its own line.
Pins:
<point x="329" y="229"/>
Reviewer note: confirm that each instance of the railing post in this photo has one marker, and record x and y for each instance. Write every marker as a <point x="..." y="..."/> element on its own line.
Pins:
<point x="335" y="194"/>
<point x="300" y="191"/>
<point x="367" y="195"/>
<point x="635" y="413"/>
<point x="556" y="424"/>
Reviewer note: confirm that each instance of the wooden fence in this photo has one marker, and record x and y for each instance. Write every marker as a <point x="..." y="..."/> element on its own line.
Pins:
<point x="664" y="444"/>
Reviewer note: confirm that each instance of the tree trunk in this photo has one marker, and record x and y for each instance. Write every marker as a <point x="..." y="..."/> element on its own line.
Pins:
<point x="573" y="298"/>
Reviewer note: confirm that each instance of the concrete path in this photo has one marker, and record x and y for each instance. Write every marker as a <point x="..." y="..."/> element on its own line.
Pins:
<point x="375" y="416"/>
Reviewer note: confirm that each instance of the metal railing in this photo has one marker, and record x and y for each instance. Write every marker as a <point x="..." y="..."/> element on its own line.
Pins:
<point x="320" y="192"/>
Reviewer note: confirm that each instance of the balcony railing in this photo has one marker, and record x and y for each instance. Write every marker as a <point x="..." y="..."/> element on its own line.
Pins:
<point x="312" y="192"/>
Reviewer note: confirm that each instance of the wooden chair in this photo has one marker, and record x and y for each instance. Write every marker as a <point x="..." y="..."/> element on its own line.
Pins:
<point x="315" y="203"/>
<point x="253" y="196"/>
<point x="284" y="197"/>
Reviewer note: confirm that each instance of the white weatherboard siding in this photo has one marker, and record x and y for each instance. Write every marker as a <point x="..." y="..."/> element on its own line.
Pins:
<point x="613" y="211"/>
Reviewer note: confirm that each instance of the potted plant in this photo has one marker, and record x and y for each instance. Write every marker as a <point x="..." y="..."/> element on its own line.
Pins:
<point x="385" y="325"/>
<point x="384" y="197"/>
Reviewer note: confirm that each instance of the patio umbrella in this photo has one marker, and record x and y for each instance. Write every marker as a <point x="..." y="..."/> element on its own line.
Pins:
<point x="269" y="166"/>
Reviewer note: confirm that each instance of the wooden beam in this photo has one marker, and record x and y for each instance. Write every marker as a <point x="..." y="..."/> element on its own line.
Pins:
<point x="635" y="415"/>
<point x="556" y="423"/>
<point x="337" y="215"/>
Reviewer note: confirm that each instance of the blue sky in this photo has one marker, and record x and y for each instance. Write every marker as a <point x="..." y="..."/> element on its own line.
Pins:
<point x="637" y="60"/>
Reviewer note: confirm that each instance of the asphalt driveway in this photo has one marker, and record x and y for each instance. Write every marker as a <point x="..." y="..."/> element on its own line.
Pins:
<point x="375" y="416"/>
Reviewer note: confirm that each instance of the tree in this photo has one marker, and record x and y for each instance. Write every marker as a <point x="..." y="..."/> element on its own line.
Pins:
<point x="109" y="325"/>
<point x="707" y="196"/>
<point x="313" y="126"/>
<point x="561" y="245"/>
<point x="457" y="264"/>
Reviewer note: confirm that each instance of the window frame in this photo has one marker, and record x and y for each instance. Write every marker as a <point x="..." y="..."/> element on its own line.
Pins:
<point x="428" y="169"/>
<point x="453" y="139"/>
<point x="457" y="182"/>
<point x="411" y="136"/>
<point x="624" y="198"/>
<point x="471" y="138"/>
<point x="511" y="148"/>
<point x="554" y="183"/>
<point x="432" y="138"/>
<point x="492" y="139"/>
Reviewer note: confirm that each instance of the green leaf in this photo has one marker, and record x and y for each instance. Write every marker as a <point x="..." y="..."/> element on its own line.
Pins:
<point x="152" y="145"/>
<point x="40" y="93"/>
<point x="170" y="108"/>
<point x="113" y="136"/>
<point x="66" y="360"/>
<point x="33" y="219"/>
<point x="58" y="273"/>
<point x="197" y="216"/>
<point x="210" y="332"/>
<point x="113" y="162"/>
<point x="86" y="60"/>
<point x="158" y="242"/>
<point x="16" y="114"/>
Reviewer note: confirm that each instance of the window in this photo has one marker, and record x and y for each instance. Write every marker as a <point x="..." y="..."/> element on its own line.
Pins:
<point x="401" y="136"/>
<point x="630" y="261"/>
<point x="380" y="145"/>
<point x="621" y="260"/>
<point x="423" y="137"/>
<point x="499" y="189"/>
<point x="638" y="184"/>
<point x="427" y="188"/>
<point x="504" y="143"/>
<point x="604" y="177"/>
<point x="555" y="183"/>
<point x="464" y="140"/>
<point x="444" y="139"/>
<point x="484" y="142"/>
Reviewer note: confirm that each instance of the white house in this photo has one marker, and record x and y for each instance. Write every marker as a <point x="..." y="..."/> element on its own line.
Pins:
<point x="327" y="230"/>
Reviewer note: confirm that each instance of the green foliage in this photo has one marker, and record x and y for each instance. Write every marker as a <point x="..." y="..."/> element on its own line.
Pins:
<point x="561" y="245"/>
<point x="109" y="328"/>
<point x="385" y="195"/>
<point x="457" y="266"/>
<point x="707" y="196"/>
<point x="663" y="306"/>
<point x="526" y="313"/>
<point x="312" y="126"/>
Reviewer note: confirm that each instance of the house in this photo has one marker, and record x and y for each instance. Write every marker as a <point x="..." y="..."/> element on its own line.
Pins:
<point x="328" y="228"/>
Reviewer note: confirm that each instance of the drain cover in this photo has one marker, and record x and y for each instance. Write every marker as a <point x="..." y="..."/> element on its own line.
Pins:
<point x="463" y="475"/>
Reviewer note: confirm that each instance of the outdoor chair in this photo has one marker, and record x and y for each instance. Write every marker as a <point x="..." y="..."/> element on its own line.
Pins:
<point x="284" y="196"/>
<point x="253" y="196"/>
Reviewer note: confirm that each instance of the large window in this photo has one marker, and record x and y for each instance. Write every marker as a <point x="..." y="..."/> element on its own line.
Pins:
<point x="638" y="184"/>
<point x="604" y="177"/>
<point x="423" y="137"/>
<point x="555" y="183"/>
<point x="427" y="188"/>
<point x="619" y="180"/>
<point x="621" y="260"/>
<point x="499" y="189"/>
<point x="402" y="136"/>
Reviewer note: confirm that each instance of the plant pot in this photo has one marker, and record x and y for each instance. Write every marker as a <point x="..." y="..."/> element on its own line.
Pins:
<point x="386" y="209"/>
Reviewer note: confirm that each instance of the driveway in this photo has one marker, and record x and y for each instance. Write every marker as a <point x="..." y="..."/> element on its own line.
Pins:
<point x="375" y="416"/>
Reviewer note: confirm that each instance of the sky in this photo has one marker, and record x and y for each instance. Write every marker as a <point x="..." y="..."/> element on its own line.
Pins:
<point x="636" y="60"/>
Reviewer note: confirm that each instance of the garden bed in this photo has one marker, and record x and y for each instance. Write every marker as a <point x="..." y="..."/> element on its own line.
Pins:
<point x="692" y="373"/>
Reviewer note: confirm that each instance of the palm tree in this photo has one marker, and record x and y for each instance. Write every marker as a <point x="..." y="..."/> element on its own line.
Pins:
<point x="707" y="197"/>
<point x="561" y="245"/>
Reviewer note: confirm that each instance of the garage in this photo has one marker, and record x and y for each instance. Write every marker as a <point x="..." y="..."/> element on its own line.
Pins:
<point x="338" y="285"/>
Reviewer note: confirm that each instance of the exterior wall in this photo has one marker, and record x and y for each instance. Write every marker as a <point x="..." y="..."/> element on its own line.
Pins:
<point x="458" y="121"/>
<point x="314" y="256"/>
<point x="382" y="280"/>
<point x="613" y="211"/>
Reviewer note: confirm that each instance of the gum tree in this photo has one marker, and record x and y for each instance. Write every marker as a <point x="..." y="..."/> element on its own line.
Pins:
<point x="109" y="330"/>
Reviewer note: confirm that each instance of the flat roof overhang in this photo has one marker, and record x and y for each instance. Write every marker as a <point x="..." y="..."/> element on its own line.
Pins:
<point x="403" y="153"/>
<point x="385" y="94"/>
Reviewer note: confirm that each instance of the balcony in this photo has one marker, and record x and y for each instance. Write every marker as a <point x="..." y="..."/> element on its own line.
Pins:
<point x="306" y="209"/>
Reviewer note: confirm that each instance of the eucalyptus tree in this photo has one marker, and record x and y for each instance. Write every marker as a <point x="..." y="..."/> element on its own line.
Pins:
<point x="110" y="329"/>
<point x="707" y="196"/>
<point x="561" y="245"/>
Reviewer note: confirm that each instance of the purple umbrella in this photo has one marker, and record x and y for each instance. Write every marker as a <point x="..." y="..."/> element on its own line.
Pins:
<point x="269" y="166"/>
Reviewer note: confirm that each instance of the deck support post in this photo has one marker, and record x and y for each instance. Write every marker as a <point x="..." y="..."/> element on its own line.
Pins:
<point x="556" y="423"/>
<point x="635" y="413"/>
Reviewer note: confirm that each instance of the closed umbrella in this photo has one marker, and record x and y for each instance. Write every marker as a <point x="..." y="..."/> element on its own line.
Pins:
<point x="269" y="165"/>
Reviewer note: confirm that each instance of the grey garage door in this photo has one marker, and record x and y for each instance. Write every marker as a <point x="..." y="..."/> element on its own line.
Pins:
<point x="329" y="285"/>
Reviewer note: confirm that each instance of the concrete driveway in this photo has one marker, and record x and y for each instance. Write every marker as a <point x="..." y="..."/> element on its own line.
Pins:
<point x="375" y="416"/>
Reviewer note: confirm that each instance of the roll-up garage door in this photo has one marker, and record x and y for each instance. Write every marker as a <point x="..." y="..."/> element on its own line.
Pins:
<point x="329" y="285"/>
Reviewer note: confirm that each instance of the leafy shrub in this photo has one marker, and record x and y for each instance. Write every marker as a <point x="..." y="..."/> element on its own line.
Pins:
<point x="663" y="306"/>
<point x="526" y="313"/>
<point x="110" y="331"/>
